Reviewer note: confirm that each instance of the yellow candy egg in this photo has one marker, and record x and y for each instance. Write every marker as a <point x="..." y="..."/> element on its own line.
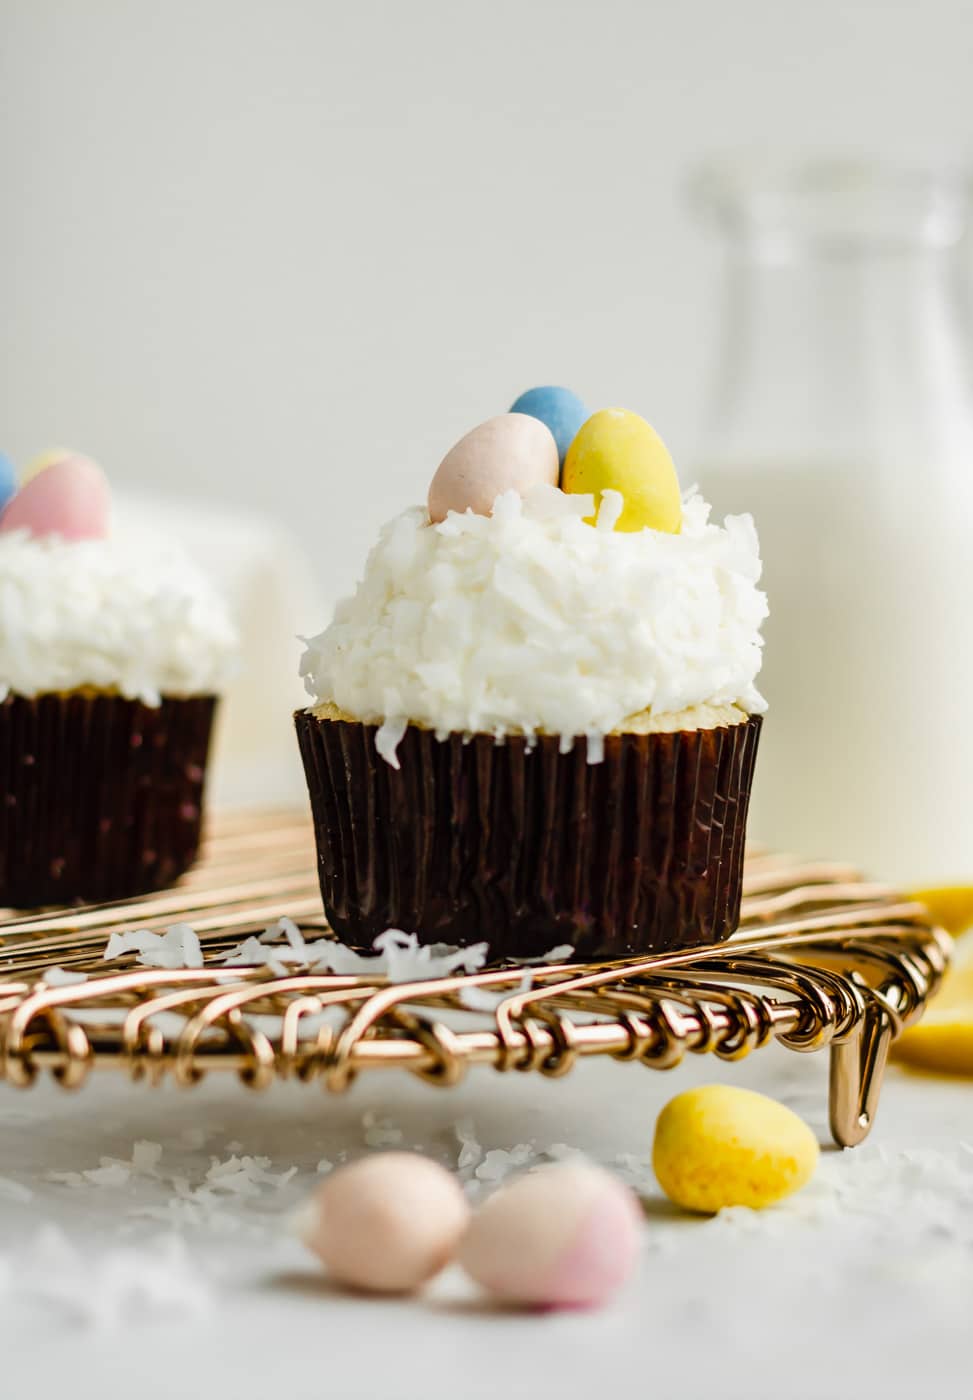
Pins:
<point x="619" y="451"/>
<point x="720" y="1146"/>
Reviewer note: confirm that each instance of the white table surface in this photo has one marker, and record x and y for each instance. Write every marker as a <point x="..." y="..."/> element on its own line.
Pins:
<point x="865" y="1292"/>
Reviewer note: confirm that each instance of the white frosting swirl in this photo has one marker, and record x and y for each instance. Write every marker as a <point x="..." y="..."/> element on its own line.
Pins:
<point x="531" y="621"/>
<point x="110" y="615"/>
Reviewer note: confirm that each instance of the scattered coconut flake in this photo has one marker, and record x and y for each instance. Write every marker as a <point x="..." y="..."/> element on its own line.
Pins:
<point x="561" y="953"/>
<point x="498" y="1164"/>
<point x="564" y="1152"/>
<point x="14" y="1190"/>
<point x="244" y="1176"/>
<point x="146" y="1157"/>
<point x="407" y="961"/>
<point x="324" y="1166"/>
<point x="73" y="1179"/>
<point x="389" y="736"/>
<point x="249" y="953"/>
<point x="381" y="1132"/>
<point x="636" y="1171"/>
<point x="105" y="1289"/>
<point x="114" y="1171"/>
<point x="64" y="977"/>
<point x="108" y="1174"/>
<point x="178" y="947"/>
<point x="398" y="956"/>
<point x="470" y="1151"/>
<point x="483" y="999"/>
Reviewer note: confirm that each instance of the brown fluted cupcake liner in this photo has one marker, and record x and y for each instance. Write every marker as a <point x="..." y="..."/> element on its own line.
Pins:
<point x="100" y="797"/>
<point x="525" y="849"/>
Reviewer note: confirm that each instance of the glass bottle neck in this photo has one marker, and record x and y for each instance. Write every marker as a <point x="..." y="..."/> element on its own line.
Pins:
<point x="858" y="354"/>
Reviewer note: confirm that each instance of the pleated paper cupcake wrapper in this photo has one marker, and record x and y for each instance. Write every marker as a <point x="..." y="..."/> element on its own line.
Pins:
<point x="100" y="797"/>
<point x="528" y="849"/>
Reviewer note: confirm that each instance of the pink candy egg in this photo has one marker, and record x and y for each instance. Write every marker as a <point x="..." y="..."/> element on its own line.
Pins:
<point x="70" y="497"/>
<point x="511" y="453"/>
<point x="563" y="1237"/>
<point x="46" y="459"/>
<point x="388" y="1223"/>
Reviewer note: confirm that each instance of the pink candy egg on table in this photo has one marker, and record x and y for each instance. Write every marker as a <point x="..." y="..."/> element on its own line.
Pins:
<point x="388" y="1223"/>
<point x="69" y="497"/>
<point x="510" y="453"/>
<point x="566" y="1236"/>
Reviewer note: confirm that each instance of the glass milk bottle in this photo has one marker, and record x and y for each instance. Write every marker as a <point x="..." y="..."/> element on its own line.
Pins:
<point x="842" y="418"/>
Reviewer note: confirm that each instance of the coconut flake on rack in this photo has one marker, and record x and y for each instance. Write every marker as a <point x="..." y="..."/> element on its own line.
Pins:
<point x="530" y="621"/>
<point x="177" y="947"/>
<point x="64" y="977"/>
<point x="109" y="614"/>
<point x="398" y="956"/>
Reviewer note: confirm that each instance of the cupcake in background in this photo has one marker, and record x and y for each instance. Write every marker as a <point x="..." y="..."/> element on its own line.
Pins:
<point x="112" y="657"/>
<point x="536" y="720"/>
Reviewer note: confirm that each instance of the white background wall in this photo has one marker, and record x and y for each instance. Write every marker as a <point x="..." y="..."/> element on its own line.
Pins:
<point x="283" y="254"/>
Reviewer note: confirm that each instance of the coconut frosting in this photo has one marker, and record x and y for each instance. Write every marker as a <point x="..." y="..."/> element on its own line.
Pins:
<point x="109" y="615"/>
<point x="531" y="621"/>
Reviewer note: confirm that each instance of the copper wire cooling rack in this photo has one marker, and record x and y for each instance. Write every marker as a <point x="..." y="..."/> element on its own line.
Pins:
<point x="821" y="959"/>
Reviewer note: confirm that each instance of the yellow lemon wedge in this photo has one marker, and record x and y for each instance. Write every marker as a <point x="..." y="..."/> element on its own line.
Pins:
<point x="951" y="906"/>
<point x="943" y="1040"/>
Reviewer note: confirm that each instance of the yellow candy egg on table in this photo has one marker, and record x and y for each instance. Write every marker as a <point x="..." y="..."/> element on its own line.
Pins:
<point x="721" y="1146"/>
<point x="615" y="450"/>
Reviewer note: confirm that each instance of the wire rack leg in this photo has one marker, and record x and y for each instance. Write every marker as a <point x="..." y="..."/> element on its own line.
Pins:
<point x="857" y="1068"/>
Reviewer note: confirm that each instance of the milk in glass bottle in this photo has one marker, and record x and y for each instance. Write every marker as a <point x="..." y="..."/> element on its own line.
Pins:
<point x="842" y="418"/>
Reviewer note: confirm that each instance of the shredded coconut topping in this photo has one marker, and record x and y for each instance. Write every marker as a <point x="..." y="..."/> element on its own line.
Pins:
<point x="530" y="621"/>
<point x="106" y="614"/>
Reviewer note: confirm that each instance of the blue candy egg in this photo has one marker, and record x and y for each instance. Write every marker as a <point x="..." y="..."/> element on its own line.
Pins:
<point x="8" y="480"/>
<point x="562" y="412"/>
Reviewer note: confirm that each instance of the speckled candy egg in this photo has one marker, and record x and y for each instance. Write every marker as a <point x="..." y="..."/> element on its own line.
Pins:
<point x="721" y="1146"/>
<point x="387" y="1223"/>
<point x="560" y="409"/>
<point x="566" y="1236"/>
<point x="70" y="498"/>
<point x="511" y="453"/>
<point x="619" y="451"/>
<point x="8" y="480"/>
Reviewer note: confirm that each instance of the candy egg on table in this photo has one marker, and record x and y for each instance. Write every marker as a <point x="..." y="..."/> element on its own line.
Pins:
<point x="70" y="498"/>
<point x="619" y="451"/>
<point x="721" y="1146"/>
<point x="387" y="1223"/>
<point x="510" y="453"/>
<point x="565" y="1236"/>
<point x="8" y="480"/>
<point x="560" y="409"/>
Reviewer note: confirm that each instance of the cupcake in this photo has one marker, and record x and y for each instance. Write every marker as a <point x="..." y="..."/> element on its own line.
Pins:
<point x="111" y="659"/>
<point x="535" y="721"/>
